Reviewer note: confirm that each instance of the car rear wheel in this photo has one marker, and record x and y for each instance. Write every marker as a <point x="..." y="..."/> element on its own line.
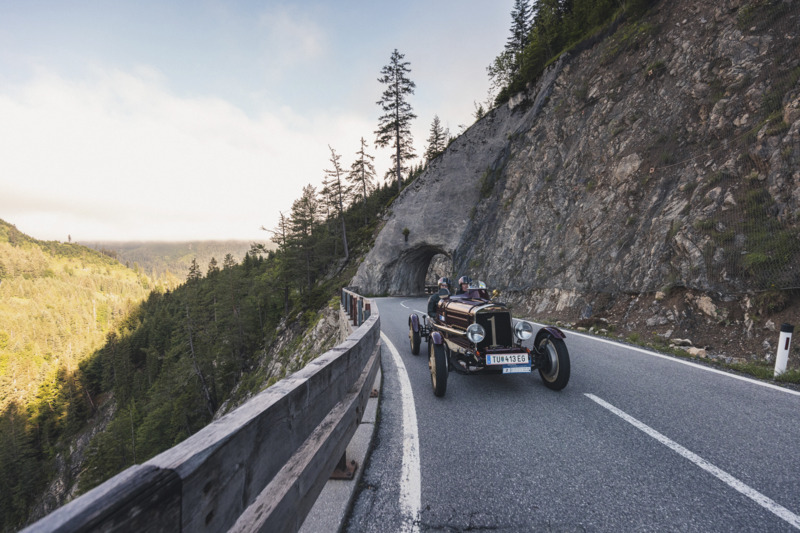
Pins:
<point x="553" y="362"/>
<point x="437" y="361"/>
<point x="413" y="337"/>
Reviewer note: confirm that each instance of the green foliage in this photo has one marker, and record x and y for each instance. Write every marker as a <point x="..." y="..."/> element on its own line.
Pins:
<point x="654" y="69"/>
<point x="756" y="369"/>
<point x="774" y="301"/>
<point x="394" y="125"/>
<point x="790" y="376"/>
<point x="629" y="37"/>
<point x="561" y="26"/>
<point x="761" y="15"/>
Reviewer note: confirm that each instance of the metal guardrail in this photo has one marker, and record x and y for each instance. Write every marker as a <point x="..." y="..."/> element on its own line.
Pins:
<point x="258" y="468"/>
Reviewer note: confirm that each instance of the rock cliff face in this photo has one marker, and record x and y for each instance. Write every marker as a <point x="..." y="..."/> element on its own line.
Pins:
<point x="664" y="154"/>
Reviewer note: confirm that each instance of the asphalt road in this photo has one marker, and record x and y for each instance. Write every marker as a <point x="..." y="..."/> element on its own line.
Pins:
<point x="635" y="442"/>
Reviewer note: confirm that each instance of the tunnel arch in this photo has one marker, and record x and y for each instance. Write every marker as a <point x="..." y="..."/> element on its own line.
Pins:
<point x="412" y="268"/>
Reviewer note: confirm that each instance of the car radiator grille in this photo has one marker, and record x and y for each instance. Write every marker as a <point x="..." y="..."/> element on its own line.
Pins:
<point x="498" y="329"/>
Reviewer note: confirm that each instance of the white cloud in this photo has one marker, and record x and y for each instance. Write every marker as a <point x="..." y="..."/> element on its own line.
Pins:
<point x="291" y="39"/>
<point x="122" y="157"/>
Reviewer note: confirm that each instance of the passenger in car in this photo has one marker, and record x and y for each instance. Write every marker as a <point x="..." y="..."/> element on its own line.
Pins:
<point x="433" y="301"/>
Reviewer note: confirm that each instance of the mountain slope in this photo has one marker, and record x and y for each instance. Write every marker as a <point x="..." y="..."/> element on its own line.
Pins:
<point x="158" y="259"/>
<point x="652" y="168"/>
<point x="58" y="302"/>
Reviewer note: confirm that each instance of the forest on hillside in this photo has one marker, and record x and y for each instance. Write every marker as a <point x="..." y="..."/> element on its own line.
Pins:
<point x="85" y="339"/>
<point x="58" y="302"/>
<point x="169" y="261"/>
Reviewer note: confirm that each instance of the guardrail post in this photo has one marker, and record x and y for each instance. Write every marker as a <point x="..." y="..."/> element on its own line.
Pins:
<point x="360" y="312"/>
<point x="783" y="349"/>
<point x="344" y="470"/>
<point x="367" y="310"/>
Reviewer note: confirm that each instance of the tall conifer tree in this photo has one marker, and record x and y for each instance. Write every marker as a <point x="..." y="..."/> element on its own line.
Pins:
<point x="302" y="220"/>
<point x="362" y="175"/>
<point x="394" y="126"/>
<point x="506" y="65"/>
<point x="335" y="175"/>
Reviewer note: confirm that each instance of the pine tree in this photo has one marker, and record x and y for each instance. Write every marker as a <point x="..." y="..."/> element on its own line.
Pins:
<point x="194" y="271"/>
<point x="362" y="175"/>
<point x="437" y="140"/>
<point x="394" y="126"/>
<point x="302" y="220"/>
<point x="213" y="268"/>
<point x="335" y="177"/>
<point x="506" y="65"/>
<point x="521" y="20"/>
<point x="228" y="262"/>
<point x="280" y="237"/>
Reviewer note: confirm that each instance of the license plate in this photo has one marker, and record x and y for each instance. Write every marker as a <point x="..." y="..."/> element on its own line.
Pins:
<point x="507" y="359"/>
<point x="516" y="369"/>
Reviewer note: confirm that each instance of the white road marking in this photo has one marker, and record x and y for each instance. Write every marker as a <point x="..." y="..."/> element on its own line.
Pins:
<point x="768" y="504"/>
<point x="410" y="479"/>
<point x="675" y="359"/>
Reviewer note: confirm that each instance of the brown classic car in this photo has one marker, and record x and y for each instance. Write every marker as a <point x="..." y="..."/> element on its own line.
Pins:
<point x="471" y="334"/>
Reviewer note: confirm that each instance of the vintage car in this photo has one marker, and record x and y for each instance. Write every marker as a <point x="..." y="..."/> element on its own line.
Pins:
<point x="471" y="334"/>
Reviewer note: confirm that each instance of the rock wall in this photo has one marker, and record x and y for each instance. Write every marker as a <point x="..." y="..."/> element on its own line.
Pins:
<point x="662" y="155"/>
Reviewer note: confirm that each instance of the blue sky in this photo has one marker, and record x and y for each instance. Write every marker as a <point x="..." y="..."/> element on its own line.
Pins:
<point x="202" y="120"/>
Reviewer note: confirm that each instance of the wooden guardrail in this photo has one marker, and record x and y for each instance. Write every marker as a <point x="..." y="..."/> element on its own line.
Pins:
<point x="259" y="468"/>
<point x="355" y="305"/>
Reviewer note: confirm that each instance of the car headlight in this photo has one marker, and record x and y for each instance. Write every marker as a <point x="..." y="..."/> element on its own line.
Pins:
<point x="523" y="330"/>
<point x="476" y="333"/>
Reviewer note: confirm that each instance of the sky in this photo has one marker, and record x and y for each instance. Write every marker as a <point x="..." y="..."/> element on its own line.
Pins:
<point x="204" y="119"/>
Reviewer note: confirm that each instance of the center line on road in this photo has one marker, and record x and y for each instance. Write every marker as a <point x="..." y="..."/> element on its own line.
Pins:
<point x="765" y="502"/>
<point x="410" y="479"/>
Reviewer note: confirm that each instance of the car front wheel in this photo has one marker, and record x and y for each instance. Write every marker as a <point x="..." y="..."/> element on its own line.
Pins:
<point x="413" y="337"/>
<point x="437" y="361"/>
<point x="553" y="362"/>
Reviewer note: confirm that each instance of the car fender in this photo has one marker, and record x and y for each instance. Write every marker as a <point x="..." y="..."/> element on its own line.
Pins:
<point x="413" y="321"/>
<point x="436" y="338"/>
<point x="549" y="330"/>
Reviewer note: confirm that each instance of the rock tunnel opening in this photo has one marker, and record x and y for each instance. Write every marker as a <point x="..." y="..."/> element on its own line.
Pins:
<point x="423" y="266"/>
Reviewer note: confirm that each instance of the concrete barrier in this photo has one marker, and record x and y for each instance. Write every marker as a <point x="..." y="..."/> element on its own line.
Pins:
<point x="259" y="468"/>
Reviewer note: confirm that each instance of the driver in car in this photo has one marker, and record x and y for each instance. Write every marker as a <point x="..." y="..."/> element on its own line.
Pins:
<point x="433" y="301"/>
<point x="463" y="285"/>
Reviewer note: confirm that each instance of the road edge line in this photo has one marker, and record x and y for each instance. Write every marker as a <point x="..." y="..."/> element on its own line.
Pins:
<point x="676" y="359"/>
<point x="410" y="478"/>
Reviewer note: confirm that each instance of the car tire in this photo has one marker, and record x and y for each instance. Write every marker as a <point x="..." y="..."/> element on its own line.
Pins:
<point x="437" y="362"/>
<point x="553" y="364"/>
<point x="413" y="337"/>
